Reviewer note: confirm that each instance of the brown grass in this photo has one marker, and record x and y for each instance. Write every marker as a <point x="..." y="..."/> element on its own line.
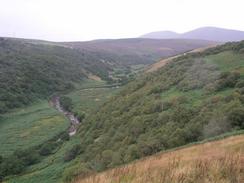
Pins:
<point x="213" y="162"/>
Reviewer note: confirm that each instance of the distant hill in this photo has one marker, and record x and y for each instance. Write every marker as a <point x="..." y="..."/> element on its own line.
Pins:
<point x="161" y="35"/>
<point x="138" y="50"/>
<point x="203" y="33"/>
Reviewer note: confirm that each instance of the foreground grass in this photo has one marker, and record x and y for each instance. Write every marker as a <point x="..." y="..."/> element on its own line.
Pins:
<point x="30" y="126"/>
<point x="219" y="161"/>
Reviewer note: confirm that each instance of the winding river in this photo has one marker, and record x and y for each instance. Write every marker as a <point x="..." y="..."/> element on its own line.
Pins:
<point x="74" y="121"/>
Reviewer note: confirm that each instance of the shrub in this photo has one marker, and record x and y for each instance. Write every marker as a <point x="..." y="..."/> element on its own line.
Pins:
<point x="66" y="103"/>
<point x="11" y="166"/>
<point x="236" y="117"/>
<point x="29" y="157"/>
<point x="47" y="148"/>
<point x="78" y="170"/>
<point x="73" y="152"/>
<point x="227" y="80"/>
<point x="64" y="136"/>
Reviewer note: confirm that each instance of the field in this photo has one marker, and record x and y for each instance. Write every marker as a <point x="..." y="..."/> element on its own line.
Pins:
<point x="91" y="94"/>
<point x="219" y="161"/>
<point x="30" y="126"/>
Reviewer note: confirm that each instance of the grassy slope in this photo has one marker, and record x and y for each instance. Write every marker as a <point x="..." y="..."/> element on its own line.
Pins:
<point x="51" y="168"/>
<point x="30" y="126"/>
<point x="89" y="95"/>
<point x="216" y="161"/>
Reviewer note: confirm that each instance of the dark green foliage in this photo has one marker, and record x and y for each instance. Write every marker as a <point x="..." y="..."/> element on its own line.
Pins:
<point x="48" y="148"/>
<point x="73" y="152"/>
<point x="236" y="117"/>
<point x="28" y="157"/>
<point x="227" y="79"/>
<point x="80" y="116"/>
<point x="29" y="71"/>
<point x="11" y="165"/>
<point x="187" y="100"/>
<point x="64" y="136"/>
<point x="66" y="103"/>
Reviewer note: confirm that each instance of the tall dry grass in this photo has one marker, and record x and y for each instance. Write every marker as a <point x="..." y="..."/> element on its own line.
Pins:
<point x="214" y="162"/>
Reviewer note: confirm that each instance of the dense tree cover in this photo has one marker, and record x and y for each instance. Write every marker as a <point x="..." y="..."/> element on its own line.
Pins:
<point x="29" y="71"/>
<point x="187" y="100"/>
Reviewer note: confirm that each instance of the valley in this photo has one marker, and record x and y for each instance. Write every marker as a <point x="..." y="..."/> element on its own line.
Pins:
<point x="121" y="91"/>
<point x="88" y="97"/>
<point x="71" y="113"/>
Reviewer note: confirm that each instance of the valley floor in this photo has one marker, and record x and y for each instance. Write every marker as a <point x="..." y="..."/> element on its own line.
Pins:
<point x="219" y="161"/>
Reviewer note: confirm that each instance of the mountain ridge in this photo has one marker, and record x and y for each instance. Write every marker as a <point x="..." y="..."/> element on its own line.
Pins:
<point x="203" y="33"/>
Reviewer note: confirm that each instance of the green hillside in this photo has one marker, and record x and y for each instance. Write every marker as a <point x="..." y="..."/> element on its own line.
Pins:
<point x="194" y="97"/>
<point x="34" y="69"/>
<point x="30" y="71"/>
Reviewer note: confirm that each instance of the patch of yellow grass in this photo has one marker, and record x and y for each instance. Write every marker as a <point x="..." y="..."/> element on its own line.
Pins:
<point x="220" y="161"/>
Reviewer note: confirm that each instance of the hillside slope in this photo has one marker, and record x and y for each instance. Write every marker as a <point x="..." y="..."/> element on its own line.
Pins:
<point x="217" y="161"/>
<point x="203" y="33"/>
<point x="138" y="51"/>
<point x="34" y="69"/>
<point x="163" y="62"/>
<point x="30" y="71"/>
<point x="197" y="96"/>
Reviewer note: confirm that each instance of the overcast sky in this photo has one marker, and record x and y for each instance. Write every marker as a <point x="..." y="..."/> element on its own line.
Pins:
<point x="76" y="20"/>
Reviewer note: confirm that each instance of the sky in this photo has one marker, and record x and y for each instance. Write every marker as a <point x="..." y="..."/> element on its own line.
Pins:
<point x="80" y="20"/>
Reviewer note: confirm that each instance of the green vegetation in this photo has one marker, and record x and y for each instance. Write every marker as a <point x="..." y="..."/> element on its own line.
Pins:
<point x="90" y="95"/>
<point x="32" y="71"/>
<point x="50" y="168"/>
<point x="30" y="126"/>
<point x="51" y="159"/>
<point x="193" y="98"/>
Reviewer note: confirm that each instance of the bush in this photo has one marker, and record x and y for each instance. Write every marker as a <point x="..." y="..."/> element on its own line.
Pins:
<point x="74" y="171"/>
<point x="236" y="117"/>
<point x="72" y="153"/>
<point x="66" y="103"/>
<point x="29" y="157"/>
<point x="65" y="136"/>
<point x="11" y="166"/>
<point x="47" y="148"/>
<point x="227" y="80"/>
